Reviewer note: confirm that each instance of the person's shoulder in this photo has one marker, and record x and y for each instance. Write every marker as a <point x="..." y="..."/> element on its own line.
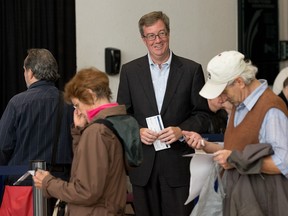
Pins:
<point x="94" y="129"/>
<point x="184" y="60"/>
<point x="20" y="97"/>
<point x="138" y="61"/>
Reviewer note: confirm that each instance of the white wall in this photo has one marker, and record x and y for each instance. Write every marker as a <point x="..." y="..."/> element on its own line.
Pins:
<point x="199" y="29"/>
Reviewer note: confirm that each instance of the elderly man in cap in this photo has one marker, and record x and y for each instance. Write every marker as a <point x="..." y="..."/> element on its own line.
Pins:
<point x="255" y="152"/>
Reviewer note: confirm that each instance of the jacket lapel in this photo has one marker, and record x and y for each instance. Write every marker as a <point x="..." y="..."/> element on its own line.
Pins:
<point x="174" y="78"/>
<point x="144" y="76"/>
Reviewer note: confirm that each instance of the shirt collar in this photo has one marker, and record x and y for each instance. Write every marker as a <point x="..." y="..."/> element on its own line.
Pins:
<point x="41" y="83"/>
<point x="168" y="62"/>
<point x="251" y="100"/>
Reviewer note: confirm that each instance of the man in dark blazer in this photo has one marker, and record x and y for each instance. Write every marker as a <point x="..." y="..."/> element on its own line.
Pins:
<point x="162" y="83"/>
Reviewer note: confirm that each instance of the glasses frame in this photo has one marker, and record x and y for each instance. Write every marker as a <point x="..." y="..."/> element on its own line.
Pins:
<point x="161" y="34"/>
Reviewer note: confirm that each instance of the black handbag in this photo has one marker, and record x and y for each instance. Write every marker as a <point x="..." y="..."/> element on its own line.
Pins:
<point x="60" y="208"/>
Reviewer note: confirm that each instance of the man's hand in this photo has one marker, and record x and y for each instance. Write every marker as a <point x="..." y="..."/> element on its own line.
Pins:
<point x="194" y="139"/>
<point x="221" y="158"/>
<point x="148" y="136"/>
<point x="170" y="134"/>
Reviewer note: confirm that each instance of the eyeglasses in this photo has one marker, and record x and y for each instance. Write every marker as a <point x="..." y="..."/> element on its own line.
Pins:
<point x="151" y="36"/>
<point x="76" y="106"/>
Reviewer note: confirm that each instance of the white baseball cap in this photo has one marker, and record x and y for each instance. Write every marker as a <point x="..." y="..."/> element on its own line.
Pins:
<point x="221" y="69"/>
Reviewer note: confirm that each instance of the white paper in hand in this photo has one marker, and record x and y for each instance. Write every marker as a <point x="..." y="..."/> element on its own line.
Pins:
<point x="155" y="123"/>
<point x="200" y="166"/>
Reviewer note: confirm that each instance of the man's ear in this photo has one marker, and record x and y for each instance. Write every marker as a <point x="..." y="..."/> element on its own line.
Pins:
<point x="31" y="77"/>
<point x="30" y="74"/>
<point x="144" y="40"/>
<point x="240" y="82"/>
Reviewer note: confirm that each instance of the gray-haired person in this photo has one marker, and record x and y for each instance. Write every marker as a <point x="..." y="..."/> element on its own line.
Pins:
<point x="255" y="153"/>
<point x="28" y="124"/>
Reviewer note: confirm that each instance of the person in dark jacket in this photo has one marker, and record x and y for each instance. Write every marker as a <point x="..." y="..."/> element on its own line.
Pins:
<point x="220" y="109"/>
<point x="28" y="124"/>
<point x="162" y="84"/>
<point x="28" y="128"/>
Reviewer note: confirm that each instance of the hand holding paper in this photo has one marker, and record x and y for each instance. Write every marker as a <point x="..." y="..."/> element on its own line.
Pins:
<point x="155" y="123"/>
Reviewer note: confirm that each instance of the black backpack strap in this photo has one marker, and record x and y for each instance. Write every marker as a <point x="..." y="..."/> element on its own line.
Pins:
<point x="109" y="125"/>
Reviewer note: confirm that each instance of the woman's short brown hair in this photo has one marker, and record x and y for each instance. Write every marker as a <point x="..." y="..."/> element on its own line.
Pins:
<point x="85" y="79"/>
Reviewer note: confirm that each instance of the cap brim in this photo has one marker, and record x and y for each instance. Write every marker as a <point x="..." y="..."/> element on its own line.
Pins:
<point x="212" y="90"/>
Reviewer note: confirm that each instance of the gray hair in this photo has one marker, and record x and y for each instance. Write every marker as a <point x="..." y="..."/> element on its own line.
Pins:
<point x="151" y="18"/>
<point x="249" y="73"/>
<point x="43" y="64"/>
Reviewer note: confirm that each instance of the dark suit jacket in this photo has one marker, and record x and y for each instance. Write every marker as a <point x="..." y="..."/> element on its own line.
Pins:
<point x="182" y="107"/>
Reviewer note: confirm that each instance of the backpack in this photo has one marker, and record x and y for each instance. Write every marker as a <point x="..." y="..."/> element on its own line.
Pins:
<point x="126" y="129"/>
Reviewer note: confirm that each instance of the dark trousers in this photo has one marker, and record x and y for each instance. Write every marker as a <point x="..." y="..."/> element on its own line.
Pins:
<point x="157" y="198"/>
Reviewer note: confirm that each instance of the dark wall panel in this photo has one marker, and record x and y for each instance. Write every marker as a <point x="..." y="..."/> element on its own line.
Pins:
<point x="258" y="28"/>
